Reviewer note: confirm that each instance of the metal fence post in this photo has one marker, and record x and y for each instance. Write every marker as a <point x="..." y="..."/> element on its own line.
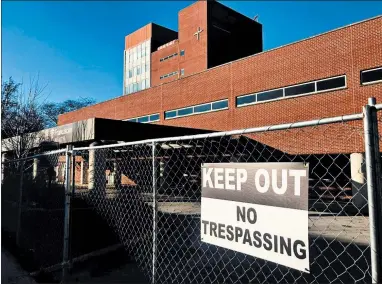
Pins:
<point x="65" y="258"/>
<point x="20" y="205"/>
<point x="373" y="189"/>
<point x="155" y="216"/>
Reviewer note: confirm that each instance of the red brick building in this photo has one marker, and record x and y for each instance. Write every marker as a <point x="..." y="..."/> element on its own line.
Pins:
<point x="326" y="75"/>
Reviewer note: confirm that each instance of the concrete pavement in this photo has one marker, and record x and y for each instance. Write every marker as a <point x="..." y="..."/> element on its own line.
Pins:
<point x="11" y="272"/>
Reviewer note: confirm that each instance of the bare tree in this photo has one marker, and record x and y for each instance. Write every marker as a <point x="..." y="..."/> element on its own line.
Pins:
<point x="21" y="117"/>
<point x="51" y="110"/>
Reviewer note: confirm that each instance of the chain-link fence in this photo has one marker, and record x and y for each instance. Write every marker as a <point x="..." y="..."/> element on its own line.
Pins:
<point x="146" y="196"/>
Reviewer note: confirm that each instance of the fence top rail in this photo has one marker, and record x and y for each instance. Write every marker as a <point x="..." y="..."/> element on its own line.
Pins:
<point x="316" y="122"/>
<point x="36" y="156"/>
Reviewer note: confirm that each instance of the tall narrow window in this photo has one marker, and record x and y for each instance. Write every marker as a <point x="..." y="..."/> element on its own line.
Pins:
<point x="182" y="53"/>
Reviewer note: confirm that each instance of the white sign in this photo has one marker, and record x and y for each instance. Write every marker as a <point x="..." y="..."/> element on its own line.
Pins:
<point x="260" y="209"/>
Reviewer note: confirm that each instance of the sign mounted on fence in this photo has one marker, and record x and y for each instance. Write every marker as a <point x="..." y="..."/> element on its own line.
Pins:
<point x="259" y="209"/>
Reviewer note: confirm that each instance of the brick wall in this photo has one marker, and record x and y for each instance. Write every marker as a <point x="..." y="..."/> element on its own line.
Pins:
<point x="344" y="51"/>
<point x="195" y="58"/>
<point x="138" y="36"/>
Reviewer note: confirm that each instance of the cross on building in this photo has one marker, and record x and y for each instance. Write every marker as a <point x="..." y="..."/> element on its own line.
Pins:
<point x="197" y="34"/>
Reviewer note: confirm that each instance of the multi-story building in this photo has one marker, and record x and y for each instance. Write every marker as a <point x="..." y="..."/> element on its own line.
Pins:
<point x="213" y="76"/>
<point x="209" y="34"/>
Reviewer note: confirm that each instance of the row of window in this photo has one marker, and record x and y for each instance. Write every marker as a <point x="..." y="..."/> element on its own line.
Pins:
<point x="168" y="75"/>
<point x="138" y="52"/>
<point x="172" y="55"/>
<point x="196" y="109"/>
<point x="137" y="86"/>
<point x="145" y="119"/>
<point x="329" y="84"/>
<point x="168" y="57"/>
<point x="139" y="70"/>
<point x="324" y="85"/>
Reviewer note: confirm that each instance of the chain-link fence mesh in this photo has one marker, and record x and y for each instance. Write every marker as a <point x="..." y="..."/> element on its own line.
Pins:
<point x="33" y="208"/>
<point x="338" y="222"/>
<point x="115" y="186"/>
<point x="147" y="197"/>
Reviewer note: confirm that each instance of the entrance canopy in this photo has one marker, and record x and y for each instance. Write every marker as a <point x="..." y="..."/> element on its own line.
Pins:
<point x="99" y="129"/>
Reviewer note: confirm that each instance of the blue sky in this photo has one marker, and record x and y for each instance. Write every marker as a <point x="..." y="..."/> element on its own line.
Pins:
<point x="77" y="47"/>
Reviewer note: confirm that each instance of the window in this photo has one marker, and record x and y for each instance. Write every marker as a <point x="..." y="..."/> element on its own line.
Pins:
<point x="185" y="111"/>
<point x="197" y="109"/>
<point x="135" y="87"/>
<point x="182" y="72"/>
<point x="269" y="95"/>
<point x="147" y="68"/>
<point x="202" y="108"/>
<point x="138" y="70"/>
<point x="220" y="105"/>
<point x="300" y="89"/>
<point x="130" y="73"/>
<point x="333" y="83"/>
<point x="371" y="76"/>
<point x="143" y="83"/>
<point x="145" y="118"/>
<point x="170" y="114"/>
<point x="330" y="84"/>
<point x="154" y="117"/>
<point x="139" y="52"/>
<point x="168" y="57"/>
<point x="147" y="83"/>
<point x="245" y="100"/>
<point x="168" y="75"/>
<point x="182" y="53"/>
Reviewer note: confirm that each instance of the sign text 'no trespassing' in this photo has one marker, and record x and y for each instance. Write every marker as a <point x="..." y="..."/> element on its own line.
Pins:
<point x="259" y="209"/>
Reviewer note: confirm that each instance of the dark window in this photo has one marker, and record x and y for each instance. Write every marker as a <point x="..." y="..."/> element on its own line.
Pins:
<point x="185" y="111"/>
<point x="300" y="90"/>
<point x="331" y="84"/>
<point x="220" y="105"/>
<point x="143" y="119"/>
<point x="161" y="60"/>
<point x="202" y="108"/>
<point x="170" y="114"/>
<point x="161" y="77"/>
<point x="269" y="95"/>
<point x="245" y="100"/>
<point x="182" y="53"/>
<point x="154" y="117"/>
<point x="182" y="72"/>
<point x="371" y="76"/>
